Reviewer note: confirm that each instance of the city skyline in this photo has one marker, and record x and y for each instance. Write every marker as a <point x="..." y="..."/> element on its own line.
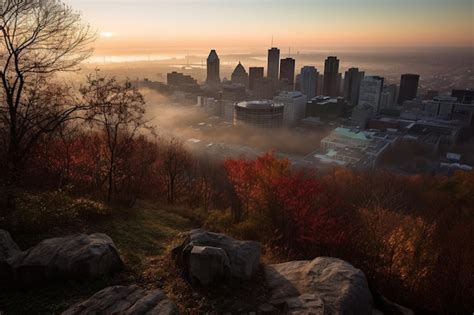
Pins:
<point x="144" y="25"/>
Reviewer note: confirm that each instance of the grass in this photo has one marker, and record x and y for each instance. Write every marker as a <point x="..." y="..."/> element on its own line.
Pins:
<point x="143" y="236"/>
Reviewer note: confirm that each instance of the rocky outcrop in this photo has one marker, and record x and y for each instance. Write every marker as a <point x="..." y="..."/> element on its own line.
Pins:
<point x="67" y="257"/>
<point x="207" y="257"/>
<point x="321" y="286"/>
<point x="125" y="300"/>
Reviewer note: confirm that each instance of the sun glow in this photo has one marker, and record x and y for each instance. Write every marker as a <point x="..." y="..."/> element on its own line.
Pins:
<point x="107" y="34"/>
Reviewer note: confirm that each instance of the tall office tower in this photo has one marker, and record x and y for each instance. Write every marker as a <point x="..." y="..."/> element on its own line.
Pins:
<point x="240" y="75"/>
<point x="352" y="79"/>
<point x="331" y="72"/>
<point x="309" y="81"/>
<point x="254" y="74"/>
<point x="320" y="87"/>
<point x="273" y="68"/>
<point x="287" y="72"/>
<point x="213" y="68"/>
<point x="408" y="87"/>
<point x="370" y="92"/>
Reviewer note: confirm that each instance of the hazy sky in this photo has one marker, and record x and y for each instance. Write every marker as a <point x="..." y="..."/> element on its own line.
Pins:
<point x="186" y="24"/>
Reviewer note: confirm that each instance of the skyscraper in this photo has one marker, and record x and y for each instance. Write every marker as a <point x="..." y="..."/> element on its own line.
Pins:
<point x="254" y="74"/>
<point x="370" y="92"/>
<point x="309" y="81"/>
<point x="213" y="68"/>
<point x="352" y="79"/>
<point x="287" y="71"/>
<point x="273" y="63"/>
<point x="408" y="87"/>
<point x="331" y="72"/>
<point x="240" y="75"/>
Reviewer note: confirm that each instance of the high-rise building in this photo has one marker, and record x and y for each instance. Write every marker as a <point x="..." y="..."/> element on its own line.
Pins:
<point x="309" y="81"/>
<point x="287" y="72"/>
<point x="370" y="92"/>
<point x="295" y="106"/>
<point x="331" y="72"/>
<point x="264" y="88"/>
<point x="408" y="87"/>
<point x="388" y="97"/>
<point x="240" y="75"/>
<point x="213" y="68"/>
<point x="273" y="68"/>
<point x="254" y="74"/>
<point x="352" y="79"/>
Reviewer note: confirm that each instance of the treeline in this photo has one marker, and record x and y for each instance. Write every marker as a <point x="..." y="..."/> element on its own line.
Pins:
<point x="412" y="236"/>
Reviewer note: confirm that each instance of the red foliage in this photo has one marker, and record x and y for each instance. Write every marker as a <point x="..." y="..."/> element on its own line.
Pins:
<point x="292" y="203"/>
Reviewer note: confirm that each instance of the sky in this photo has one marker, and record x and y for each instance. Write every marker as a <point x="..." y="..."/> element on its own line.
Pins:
<point x="141" y="26"/>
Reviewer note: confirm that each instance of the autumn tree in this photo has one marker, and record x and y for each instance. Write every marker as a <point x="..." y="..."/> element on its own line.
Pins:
<point x="117" y="110"/>
<point x="39" y="38"/>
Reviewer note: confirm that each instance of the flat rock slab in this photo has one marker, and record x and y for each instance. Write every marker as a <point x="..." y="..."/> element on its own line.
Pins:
<point x="73" y="256"/>
<point x="322" y="286"/>
<point x="125" y="300"/>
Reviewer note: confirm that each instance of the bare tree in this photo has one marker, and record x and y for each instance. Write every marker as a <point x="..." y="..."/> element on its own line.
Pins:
<point x="38" y="38"/>
<point x="119" y="111"/>
<point x="175" y="164"/>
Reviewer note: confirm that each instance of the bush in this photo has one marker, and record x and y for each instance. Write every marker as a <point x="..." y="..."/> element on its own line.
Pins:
<point x="40" y="212"/>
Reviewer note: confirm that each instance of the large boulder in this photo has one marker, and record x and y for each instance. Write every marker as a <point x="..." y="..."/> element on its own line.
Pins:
<point x="322" y="286"/>
<point x="129" y="300"/>
<point x="67" y="257"/>
<point x="207" y="257"/>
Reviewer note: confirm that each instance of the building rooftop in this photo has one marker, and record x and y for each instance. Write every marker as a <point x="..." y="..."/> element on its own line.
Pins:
<point x="260" y="104"/>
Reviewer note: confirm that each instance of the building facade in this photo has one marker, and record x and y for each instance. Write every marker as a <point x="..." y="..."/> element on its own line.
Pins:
<point x="309" y="81"/>
<point x="352" y="80"/>
<point x="273" y="67"/>
<point x="331" y="72"/>
<point x="408" y="87"/>
<point x="213" y="69"/>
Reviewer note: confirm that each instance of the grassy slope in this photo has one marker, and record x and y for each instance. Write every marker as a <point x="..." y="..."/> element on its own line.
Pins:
<point x="142" y="235"/>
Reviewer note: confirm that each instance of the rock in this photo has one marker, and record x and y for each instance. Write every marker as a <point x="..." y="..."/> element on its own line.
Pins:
<point x="8" y="247"/>
<point x="206" y="257"/>
<point x="322" y="286"/>
<point x="68" y="257"/>
<point x="208" y="264"/>
<point x="125" y="300"/>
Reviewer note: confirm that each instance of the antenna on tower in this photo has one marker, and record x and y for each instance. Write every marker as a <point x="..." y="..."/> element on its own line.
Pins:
<point x="272" y="40"/>
<point x="289" y="51"/>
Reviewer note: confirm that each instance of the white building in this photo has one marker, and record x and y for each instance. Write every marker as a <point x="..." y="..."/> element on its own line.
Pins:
<point x="371" y="91"/>
<point x="295" y="106"/>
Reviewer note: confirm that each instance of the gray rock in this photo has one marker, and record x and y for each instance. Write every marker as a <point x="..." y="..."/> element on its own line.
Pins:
<point x="204" y="255"/>
<point x="8" y="247"/>
<point x="67" y="257"/>
<point x="129" y="300"/>
<point x="208" y="264"/>
<point x="322" y="286"/>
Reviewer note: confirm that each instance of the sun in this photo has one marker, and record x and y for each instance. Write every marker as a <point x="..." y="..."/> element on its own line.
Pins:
<point x="107" y="34"/>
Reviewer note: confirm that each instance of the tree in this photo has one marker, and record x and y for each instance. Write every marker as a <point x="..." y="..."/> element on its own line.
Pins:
<point x="38" y="39"/>
<point x="118" y="110"/>
<point x="175" y="162"/>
